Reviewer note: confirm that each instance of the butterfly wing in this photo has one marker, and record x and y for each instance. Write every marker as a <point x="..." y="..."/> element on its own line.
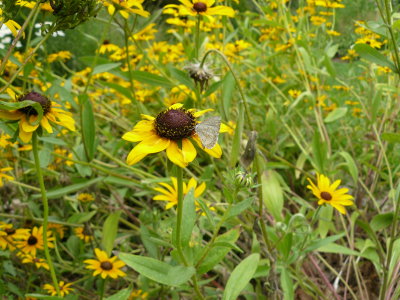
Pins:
<point x="208" y="131"/>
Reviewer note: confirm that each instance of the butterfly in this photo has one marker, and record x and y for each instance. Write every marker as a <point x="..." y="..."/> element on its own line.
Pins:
<point x="208" y="131"/>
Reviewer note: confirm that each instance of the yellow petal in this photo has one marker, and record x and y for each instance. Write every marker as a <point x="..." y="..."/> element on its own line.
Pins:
<point x="46" y="125"/>
<point x="202" y="112"/>
<point x="24" y="136"/>
<point x="175" y="155"/>
<point x="188" y="151"/>
<point x="26" y="125"/>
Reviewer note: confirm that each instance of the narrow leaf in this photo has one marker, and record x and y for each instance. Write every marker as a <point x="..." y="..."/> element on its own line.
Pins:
<point x="240" y="277"/>
<point x="110" y="229"/>
<point x="158" y="271"/>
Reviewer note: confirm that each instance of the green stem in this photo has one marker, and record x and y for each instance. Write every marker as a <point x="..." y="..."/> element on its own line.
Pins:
<point x="197" y="45"/>
<point x="179" y="215"/>
<point x="45" y="211"/>
<point x="102" y="288"/>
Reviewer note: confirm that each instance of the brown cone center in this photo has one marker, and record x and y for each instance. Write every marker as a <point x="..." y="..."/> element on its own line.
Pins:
<point x="326" y="196"/>
<point x="106" y="265"/>
<point x="32" y="240"/>
<point x="175" y="124"/>
<point x="44" y="102"/>
<point x="10" y="231"/>
<point x="200" y="7"/>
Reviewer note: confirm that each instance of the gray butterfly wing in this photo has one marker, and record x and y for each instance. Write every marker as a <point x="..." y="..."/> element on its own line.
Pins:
<point x="208" y="131"/>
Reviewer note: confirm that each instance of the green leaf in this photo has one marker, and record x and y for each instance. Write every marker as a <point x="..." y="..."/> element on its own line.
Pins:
<point x="88" y="126"/>
<point x="228" y="88"/>
<point x="239" y="208"/>
<point x="216" y="254"/>
<point x="182" y="77"/>
<point x="189" y="219"/>
<point x="318" y="243"/>
<point x="391" y="137"/>
<point x="58" y="193"/>
<point x="121" y="295"/>
<point x="351" y="166"/>
<point x="151" y="79"/>
<point x="105" y="68"/>
<point x="272" y="194"/>
<point x="4" y="105"/>
<point x="110" y="229"/>
<point x="158" y="271"/>
<point x="80" y="218"/>
<point x="336" y="114"/>
<point x="319" y="153"/>
<point x="373" y="55"/>
<point x="381" y="221"/>
<point x="240" y="276"/>
<point x="287" y="284"/>
<point x="53" y="140"/>
<point x="335" y="248"/>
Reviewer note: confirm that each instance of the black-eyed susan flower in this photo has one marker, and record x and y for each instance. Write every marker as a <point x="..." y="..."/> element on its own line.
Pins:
<point x="85" y="197"/>
<point x="32" y="241"/>
<point x="38" y="262"/>
<point x="201" y="7"/>
<point x="105" y="266"/>
<point x="65" y="288"/>
<point x="8" y="235"/>
<point x="28" y="115"/>
<point x="329" y="194"/>
<point x="5" y="176"/>
<point x="170" y="193"/>
<point x="83" y="233"/>
<point x="171" y="130"/>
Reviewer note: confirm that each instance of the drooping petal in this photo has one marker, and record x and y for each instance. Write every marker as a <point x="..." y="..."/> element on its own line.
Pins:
<point x="24" y="136"/>
<point x="46" y="125"/>
<point x="188" y="151"/>
<point x="11" y="115"/>
<point x="26" y="125"/>
<point x="175" y="155"/>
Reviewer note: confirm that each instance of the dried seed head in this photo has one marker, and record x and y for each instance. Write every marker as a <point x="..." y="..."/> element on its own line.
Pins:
<point x="200" y="74"/>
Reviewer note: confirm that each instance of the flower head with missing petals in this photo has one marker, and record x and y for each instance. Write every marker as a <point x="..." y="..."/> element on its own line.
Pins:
<point x="329" y="194"/>
<point x="172" y="130"/>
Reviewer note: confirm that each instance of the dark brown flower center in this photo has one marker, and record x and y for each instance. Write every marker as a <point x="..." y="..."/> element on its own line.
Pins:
<point x="32" y="240"/>
<point x="106" y="265"/>
<point x="199" y="7"/>
<point x="86" y="231"/>
<point x="44" y="102"/>
<point x="10" y="231"/>
<point x="326" y="196"/>
<point x="175" y="124"/>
